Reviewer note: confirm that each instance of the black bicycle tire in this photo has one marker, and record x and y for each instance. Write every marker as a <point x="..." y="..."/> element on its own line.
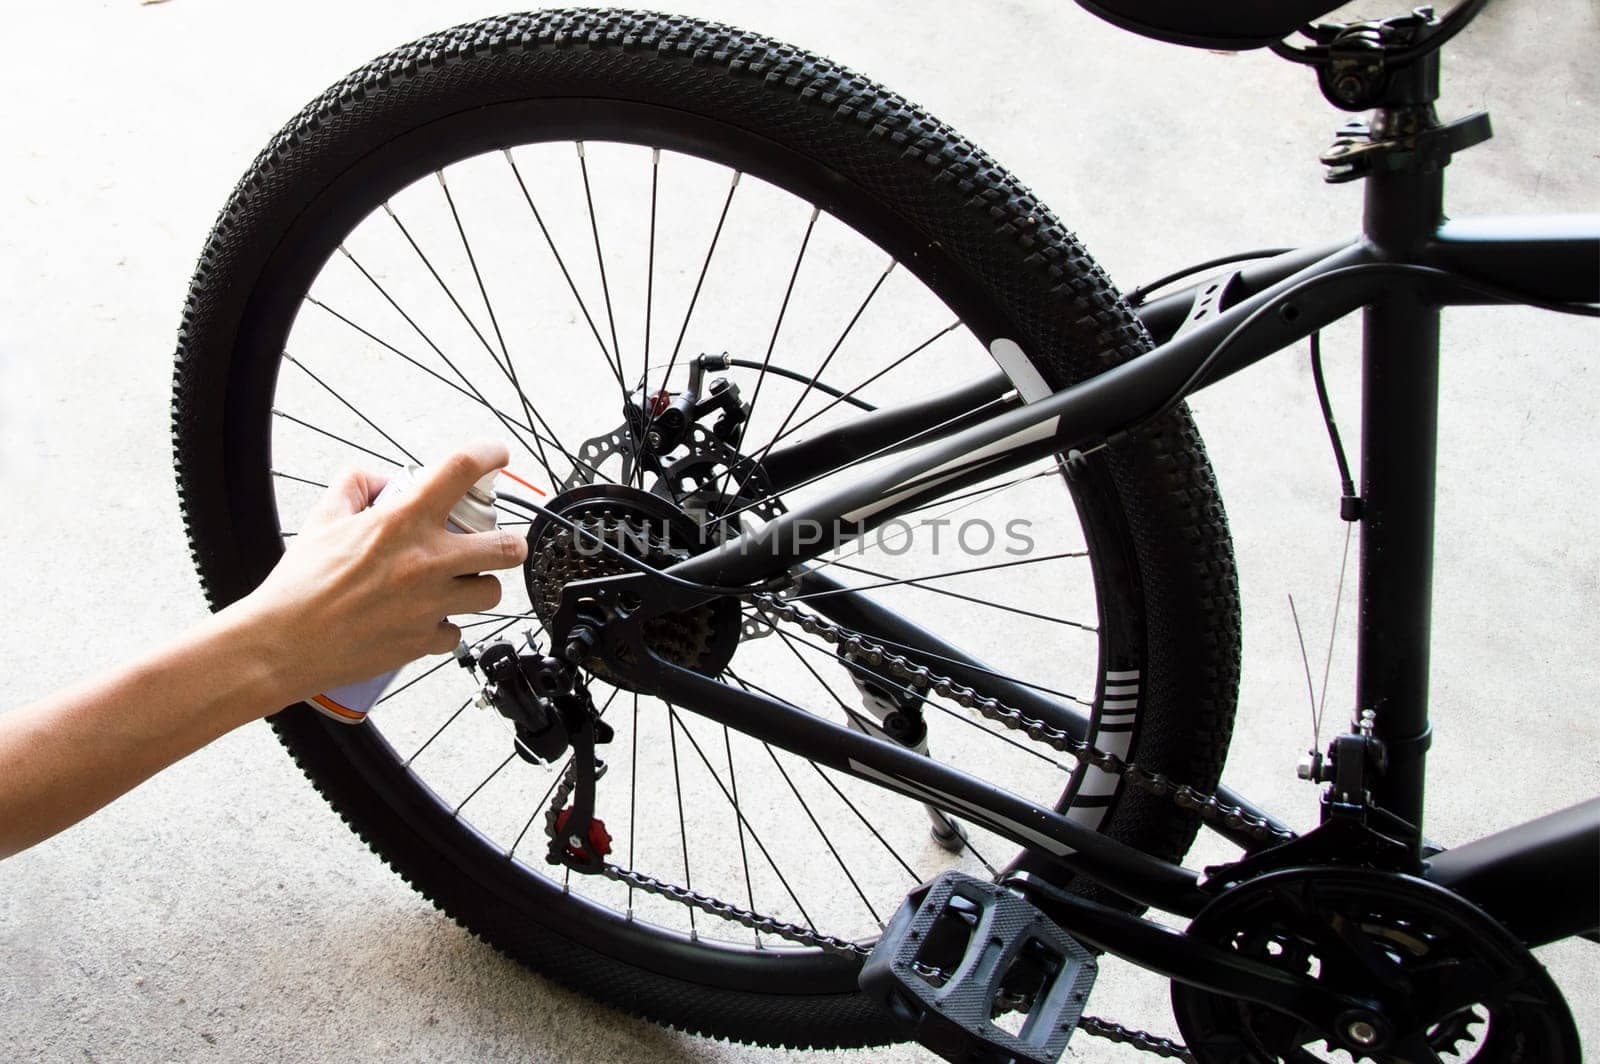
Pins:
<point x="985" y="224"/>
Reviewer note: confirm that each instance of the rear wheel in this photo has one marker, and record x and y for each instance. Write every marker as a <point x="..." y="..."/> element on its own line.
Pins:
<point x="509" y="227"/>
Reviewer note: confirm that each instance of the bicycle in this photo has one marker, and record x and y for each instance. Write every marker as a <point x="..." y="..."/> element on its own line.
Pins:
<point x="684" y="563"/>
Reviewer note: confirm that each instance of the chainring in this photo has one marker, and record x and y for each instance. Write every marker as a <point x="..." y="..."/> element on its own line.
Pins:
<point x="1453" y="983"/>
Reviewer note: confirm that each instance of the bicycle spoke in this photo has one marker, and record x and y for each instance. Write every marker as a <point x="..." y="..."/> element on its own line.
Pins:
<point x="688" y="314"/>
<point x="854" y="714"/>
<point x="509" y="758"/>
<point x="973" y="497"/>
<point x="335" y="436"/>
<point x="738" y="821"/>
<point x="862" y="459"/>
<point x="1019" y="611"/>
<point x="992" y="489"/>
<point x="810" y="384"/>
<point x="429" y="370"/>
<point x="814" y="822"/>
<point x="600" y="260"/>
<point x="439" y="279"/>
<point x="561" y="263"/>
<point x="867" y="673"/>
<point x="705" y="266"/>
<point x="298" y="480"/>
<point x="967" y="843"/>
<point x="677" y="787"/>
<point x="418" y="752"/>
<point x="536" y="452"/>
<point x="891" y="644"/>
<point x="539" y="807"/>
<point x="849" y="710"/>
<point x="789" y="641"/>
<point x="505" y="369"/>
<point x="633" y="794"/>
<point x="912" y="872"/>
<point x="966" y="840"/>
<point x="649" y="293"/>
<point x="843" y="867"/>
<point x="351" y="407"/>
<point x="754" y="837"/>
<point x="777" y="328"/>
<point x="435" y="667"/>
<point x="510" y="367"/>
<point x="952" y="327"/>
<point x="896" y="582"/>
<point x="477" y="624"/>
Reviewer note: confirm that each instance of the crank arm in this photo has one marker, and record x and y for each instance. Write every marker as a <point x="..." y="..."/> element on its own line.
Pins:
<point x="1179" y="957"/>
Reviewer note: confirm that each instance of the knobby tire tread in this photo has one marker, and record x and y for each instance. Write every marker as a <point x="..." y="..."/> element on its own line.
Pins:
<point x="1067" y="310"/>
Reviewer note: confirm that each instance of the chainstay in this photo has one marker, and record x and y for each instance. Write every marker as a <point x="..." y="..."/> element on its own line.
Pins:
<point x="922" y="680"/>
<point x="1094" y="1026"/>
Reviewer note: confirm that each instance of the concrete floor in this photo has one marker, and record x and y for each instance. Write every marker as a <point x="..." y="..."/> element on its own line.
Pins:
<point x="221" y="911"/>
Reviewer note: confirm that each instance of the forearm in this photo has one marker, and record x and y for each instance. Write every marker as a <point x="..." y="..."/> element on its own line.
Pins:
<point x="359" y="593"/>
<point x="65" y="756"/>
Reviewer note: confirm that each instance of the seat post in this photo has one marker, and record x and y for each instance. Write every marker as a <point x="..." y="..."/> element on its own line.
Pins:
<point x="1400" y="370"/>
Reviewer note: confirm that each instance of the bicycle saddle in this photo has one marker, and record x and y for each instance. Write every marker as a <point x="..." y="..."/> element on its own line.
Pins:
<point x="1236" y="25"/>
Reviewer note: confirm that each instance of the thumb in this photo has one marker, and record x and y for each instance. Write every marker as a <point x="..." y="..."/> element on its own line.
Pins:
<point x="443" y="484"/>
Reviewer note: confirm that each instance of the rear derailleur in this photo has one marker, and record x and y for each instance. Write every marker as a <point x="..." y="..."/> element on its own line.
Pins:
<point x="551" y="712"/>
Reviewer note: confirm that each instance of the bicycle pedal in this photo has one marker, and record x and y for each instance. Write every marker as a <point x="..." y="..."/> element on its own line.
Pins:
<point x="961" y="952"/>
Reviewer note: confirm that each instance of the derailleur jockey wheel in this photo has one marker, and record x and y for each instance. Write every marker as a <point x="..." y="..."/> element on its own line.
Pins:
<point x="1449" y="982"/>
<point x="602" y="522"/>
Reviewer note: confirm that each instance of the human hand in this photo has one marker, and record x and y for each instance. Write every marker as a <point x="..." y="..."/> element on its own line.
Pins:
<point x="361" y="591"/>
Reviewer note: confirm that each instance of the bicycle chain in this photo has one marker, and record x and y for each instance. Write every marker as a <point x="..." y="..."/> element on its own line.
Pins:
<point x="1094" y="1026"/>
<point x="922" y="680"/>
<point x="755" y="921"/>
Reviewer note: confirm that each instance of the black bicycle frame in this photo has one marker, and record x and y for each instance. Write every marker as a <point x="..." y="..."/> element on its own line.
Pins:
<point x="1407" y="265"/>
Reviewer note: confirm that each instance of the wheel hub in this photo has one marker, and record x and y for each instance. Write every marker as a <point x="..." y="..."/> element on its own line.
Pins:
<point x="609" y="529"/>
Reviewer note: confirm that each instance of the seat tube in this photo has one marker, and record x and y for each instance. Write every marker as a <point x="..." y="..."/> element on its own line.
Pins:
<point x="1399" y="430"/>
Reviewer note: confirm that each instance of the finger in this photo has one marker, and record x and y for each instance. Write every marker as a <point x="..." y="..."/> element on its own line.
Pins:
<point x="443" y="640"/>
<point x="473" y="594"/>
<point x="352" y="491"/>
<point x="481" y="552"/>
<point x="445" y="482"/>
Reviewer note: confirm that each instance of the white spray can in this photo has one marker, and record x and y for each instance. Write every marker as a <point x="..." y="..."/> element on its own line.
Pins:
<point x="475" y="512"/>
